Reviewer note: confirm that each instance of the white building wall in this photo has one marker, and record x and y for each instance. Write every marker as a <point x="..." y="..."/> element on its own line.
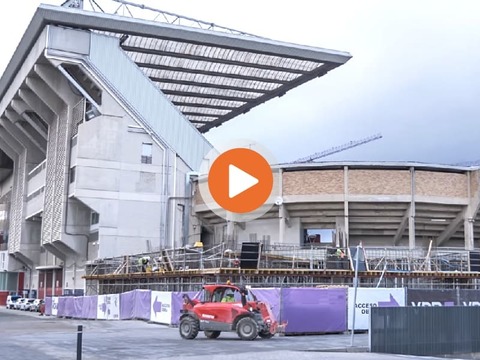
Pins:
<point x="111" y="179"/>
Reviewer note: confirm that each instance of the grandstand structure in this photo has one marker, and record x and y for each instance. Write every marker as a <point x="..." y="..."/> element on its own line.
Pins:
<point x="101" y="122"/>
<point x="101" y="136"/>
<point x="415" y="224"/>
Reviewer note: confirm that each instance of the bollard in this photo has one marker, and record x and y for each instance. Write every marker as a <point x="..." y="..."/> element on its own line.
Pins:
<point x="79" y="342"/>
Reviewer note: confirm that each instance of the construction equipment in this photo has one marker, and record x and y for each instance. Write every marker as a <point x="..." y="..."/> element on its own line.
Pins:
<point x="337" y="149"/>
<point x="227" y="308"/>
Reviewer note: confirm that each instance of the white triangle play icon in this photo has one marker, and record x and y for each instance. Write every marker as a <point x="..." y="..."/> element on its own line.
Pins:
<point x="239" y="181"/>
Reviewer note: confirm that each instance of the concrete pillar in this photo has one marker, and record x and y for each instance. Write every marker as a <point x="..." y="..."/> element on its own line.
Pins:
<point x="411" y="218"/>
<point x="282" y="223"/>
<point x="230" y="233"/>
<point x="346" y="240"/>
<point x="471" y="210"/>
<point x="282" y="213"/>
<point x="469" y="234"/>
<point x="340" y="231"/>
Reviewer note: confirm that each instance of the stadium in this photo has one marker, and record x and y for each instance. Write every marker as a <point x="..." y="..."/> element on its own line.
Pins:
<point x="102" y="123"/>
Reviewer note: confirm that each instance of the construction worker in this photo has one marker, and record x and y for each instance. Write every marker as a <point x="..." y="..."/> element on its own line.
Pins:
<point x="228" y="296"/>
<point x="143" y="262"/>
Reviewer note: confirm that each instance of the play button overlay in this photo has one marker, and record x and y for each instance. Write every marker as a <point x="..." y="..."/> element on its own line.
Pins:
<point x="240" y="180"/>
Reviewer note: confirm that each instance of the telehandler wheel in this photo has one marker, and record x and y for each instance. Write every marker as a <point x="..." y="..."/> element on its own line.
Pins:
<point x="265" y="334"/>
<point x="247" y="329"/>
<point x="211" y="334"/>
<point x="189" y="327"/>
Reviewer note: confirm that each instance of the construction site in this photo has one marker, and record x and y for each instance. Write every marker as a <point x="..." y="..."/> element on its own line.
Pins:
<point x="102" y="141"/>
<point x="187" y="269"/>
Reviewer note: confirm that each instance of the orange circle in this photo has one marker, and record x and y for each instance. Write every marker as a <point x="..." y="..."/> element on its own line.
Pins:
<point x="233" y="173"/>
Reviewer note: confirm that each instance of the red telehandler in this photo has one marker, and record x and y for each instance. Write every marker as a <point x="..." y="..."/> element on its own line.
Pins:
<point x="227" y="308"/>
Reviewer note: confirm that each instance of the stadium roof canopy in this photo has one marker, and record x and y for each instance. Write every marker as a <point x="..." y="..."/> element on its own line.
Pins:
<point x="210" y="76"/>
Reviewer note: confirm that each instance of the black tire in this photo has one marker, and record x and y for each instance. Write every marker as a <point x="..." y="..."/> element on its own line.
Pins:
<point x="211" y="334"/>
<point x="265" y="334"/>
<point x="247" y="329"/>
<point x="188" y="328"/>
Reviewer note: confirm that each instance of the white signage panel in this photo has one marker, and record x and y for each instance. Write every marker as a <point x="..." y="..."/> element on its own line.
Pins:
<point x="54" y="305"/>
<point x="161" y="307"/>
<point x="108" y="307"/>
<point x="368" y="298"/>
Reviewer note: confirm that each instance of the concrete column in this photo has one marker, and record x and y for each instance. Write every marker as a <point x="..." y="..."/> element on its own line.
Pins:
<point x="54" y="280"/>
<point x="340" y="231"/>
<point x="469" y="235"/>
<point x="471" y="210"/>
<point x="230" y="232"/>
<point x="282" y="216"/>
<point x="411" y="218"/>
<point x="282" y="223"/>
<point x="345" y="208"/>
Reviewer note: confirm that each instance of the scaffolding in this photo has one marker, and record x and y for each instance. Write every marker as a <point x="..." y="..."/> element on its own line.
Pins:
<point x="280" y="265"/>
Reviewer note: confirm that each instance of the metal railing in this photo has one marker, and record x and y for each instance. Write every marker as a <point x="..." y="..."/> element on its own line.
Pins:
<point x="282" y="256"/>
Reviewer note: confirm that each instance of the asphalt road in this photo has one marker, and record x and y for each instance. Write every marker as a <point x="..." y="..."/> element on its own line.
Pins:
<point x="30" y="336"/>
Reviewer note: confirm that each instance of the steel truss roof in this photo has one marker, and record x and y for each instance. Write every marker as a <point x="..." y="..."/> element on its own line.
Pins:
<point x="211" y="77"/>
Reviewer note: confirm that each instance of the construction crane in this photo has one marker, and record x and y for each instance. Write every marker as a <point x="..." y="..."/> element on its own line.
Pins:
<point x="337" y="149"/>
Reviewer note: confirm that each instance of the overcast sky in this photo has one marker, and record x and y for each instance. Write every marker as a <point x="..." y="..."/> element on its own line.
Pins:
<point x="414" y="75"/>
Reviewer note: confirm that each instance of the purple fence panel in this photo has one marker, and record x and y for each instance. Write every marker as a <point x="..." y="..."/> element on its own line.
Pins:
<point x="127" y="302"/>
<point x="177" y="303"/>
<point x="141" y="307"/>
<point x="311" y="310"/>
<point x="89" y="309"/>
<point x="135" y="305"/>
<point x="48" y="306"/>
<point x="61" y="307"/>
<point x="272" y="297"/>
<point x="77" y="307"/>
<point x="69" y="309"/>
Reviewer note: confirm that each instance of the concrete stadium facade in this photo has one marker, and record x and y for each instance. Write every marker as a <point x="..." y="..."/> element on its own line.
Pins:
<point x="101" y="121"/>
<point x="86" y="183"/>
<point x="378" y="204"/>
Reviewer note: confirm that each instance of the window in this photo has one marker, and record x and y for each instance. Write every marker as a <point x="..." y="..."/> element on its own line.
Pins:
<point x="95" y="218"/>
<point x="146" y="153"/>
<point x="72" y="174"/>
<point x="313" y="237"/>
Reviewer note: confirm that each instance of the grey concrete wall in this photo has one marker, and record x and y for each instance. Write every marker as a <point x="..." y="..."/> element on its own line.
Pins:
<point x="111" y="180"/>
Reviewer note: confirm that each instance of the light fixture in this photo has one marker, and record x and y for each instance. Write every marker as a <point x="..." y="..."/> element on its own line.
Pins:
<point x="438" y="220"/>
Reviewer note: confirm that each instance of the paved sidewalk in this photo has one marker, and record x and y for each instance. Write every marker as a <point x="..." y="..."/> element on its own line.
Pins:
<point x="25" y="335"/>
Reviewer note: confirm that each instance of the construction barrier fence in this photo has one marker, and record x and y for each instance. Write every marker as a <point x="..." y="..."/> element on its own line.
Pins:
<point x="305" y="310"/>
<point x="425" y="330"/>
